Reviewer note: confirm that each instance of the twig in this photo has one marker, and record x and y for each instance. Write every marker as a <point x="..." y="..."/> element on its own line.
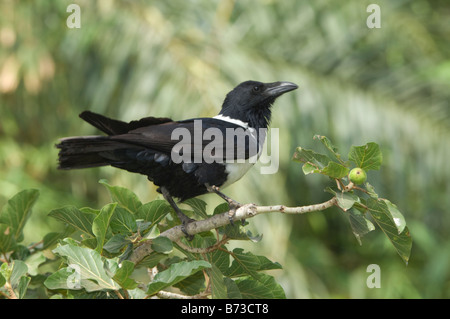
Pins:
<point x="216" y="221"/>
<point x="172" y="295"/>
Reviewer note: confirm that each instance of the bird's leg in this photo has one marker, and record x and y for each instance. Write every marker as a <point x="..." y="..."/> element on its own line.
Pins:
<point x="233" y="205"/>
<point x="183" y="218"/>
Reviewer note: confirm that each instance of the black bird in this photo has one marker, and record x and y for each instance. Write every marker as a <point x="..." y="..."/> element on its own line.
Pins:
<point x="184" y="158"/>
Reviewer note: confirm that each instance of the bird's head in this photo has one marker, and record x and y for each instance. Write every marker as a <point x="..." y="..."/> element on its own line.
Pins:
<point x="251" y="101"/>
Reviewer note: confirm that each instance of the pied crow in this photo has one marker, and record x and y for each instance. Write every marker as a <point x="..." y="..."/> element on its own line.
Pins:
<point x="184" y="158"/>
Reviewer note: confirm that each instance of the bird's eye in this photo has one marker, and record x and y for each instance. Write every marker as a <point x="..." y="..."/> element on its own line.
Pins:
<point x="256" y="89"/>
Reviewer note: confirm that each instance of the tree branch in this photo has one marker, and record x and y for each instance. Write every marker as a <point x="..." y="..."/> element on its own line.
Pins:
<point x="244" y="212"/>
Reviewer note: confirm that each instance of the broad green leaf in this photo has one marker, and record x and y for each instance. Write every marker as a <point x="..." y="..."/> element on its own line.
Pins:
<point x="153" y="211"/>
<point x="123" y="221"/>
<point x="2" y="280"/>
<point x="116" y="243"/>
<point x="371" y="190"/>
<point x="397" y="217"/>
<point x="19" y="269"/>
<point x="367" y="156"/>
<point x="192" y="285"/>
<point x="312" y="158"/>
<point x="218" y="288"/>
<point x="232" y="289"/>
<point x="65" y="278"/>
<point x="220" y="258"/>
<point x="123" y="196"/>
<point x="345" y="200"/>
<point x="23" y="286"/>
<point x="152" y="260"/>
<point x="359" y="223"/>
<point x="382" y="216"/>
<point x="52" y="238"/>
<point x="34" y="261"/>
<point x="17" y="210"/>
<point x="175" y="273"/>
<point x="89" y="266"/>
<point x="199" y="207"/>
<point x="330" y="146"/>
<point x="335" y="170"/>
<point x="5" y="270"/>
<point x="101" y="223"/>
<point x="246" y="263"/>
<point x="162" y="244"/>
<point x="319" y="163"/>
<point x="74" y="217"/>
<point x="123" y="273"/>
<point x="265" y="287"/>
<point x="7" y="241"/>
<point x="309" y="168"/>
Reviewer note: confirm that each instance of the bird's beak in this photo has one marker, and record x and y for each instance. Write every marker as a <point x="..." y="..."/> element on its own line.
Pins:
<point x="276" y="89"/>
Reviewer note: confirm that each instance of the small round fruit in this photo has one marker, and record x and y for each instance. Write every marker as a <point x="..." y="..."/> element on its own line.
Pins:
<point x="357" y="176"/>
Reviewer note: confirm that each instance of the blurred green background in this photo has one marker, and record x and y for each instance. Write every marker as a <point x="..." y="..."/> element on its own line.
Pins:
<point x="178" y="58"/>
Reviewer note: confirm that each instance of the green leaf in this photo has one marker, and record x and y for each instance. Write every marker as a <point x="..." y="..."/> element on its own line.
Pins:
<point x="397" y="217"/>
<point x="123" y="196"/>
<point x="359" y="223"/>
<point x="309" y="168"/>
<point x="265" y="287"/>
<point x="153" y="211"/>
<point x="101" y="223"/>
<point x="310" y="157"/>
<point x="5" y="270"/>
<point x="89" y="267"/>
<point x="23" y="286"/>
<point x="52" y="238"/>
<point x="2" y="280"/>
<point x="162" y="244"/>
<point x="367" y="156"/>
<point x="75" y="217"/>
<point x="218" y="287"/>
<point x="34" y="261"/>
<point x="335" y="170"/>
<point x="319" y="163"/>
<point x="123" y="273"/>
<point x="232" y="289"/>
<point x="64" y="278"/>
<point x="175" y="273"/>
<point x="199" y="207"/>
<point x="330" y="146"/>
<point x="345" y="200"/>
<point x="381" y="214"/>
<point x="19" y="269"/>
<point x="123" y="221"/>
<point x="246" y="263"/>
<point x="17" y="210"/>
<point x="7" y="241"/>
<point x="116" y="243"/>
<point x="152" y="260"/>
<point x="192" y="285"/>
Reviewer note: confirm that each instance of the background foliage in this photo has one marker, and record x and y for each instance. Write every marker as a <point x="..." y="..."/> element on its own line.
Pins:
<point x="178" y="58"/>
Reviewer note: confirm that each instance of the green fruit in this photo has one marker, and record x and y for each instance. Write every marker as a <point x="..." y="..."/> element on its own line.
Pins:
<point x="357" y="176"/>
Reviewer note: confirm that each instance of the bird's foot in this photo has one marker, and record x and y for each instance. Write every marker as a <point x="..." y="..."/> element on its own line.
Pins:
<point x="184" y="222"/>
<point x="232" y="204"/>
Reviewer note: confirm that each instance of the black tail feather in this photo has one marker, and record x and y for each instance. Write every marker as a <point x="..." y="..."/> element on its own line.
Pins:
<point x="89" y="151"/>
<point x="116" y="127"/>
